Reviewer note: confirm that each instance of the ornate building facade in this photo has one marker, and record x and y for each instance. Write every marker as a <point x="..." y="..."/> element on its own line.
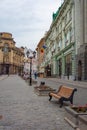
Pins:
<point x="66" y="41"/>
<point x="40" y="57"/>
<point x="11" y="57"/>
<point x="60" y="42"/>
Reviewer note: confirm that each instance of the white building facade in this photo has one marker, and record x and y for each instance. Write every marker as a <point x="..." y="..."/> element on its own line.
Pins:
<point x="64" y="40"/>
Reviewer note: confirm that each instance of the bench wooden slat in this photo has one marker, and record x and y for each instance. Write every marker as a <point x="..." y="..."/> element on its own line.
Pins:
<point x="65" y="91"/>
<point x="55" y="95"/>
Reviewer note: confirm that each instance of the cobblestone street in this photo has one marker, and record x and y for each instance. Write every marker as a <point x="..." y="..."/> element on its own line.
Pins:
<point x="22" y="109"/>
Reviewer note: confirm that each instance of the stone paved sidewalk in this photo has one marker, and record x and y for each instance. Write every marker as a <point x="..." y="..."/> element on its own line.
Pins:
<point x="70" y="82"/>
<point x="22" y="109"/>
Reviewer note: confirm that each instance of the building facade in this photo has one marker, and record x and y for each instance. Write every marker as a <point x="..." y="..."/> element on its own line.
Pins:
<point x="11" y="57"/>
<point x="40" y="57"/>
<point x="60" y="42"/>
<point x="66" y="41"/>
<point x="26" y="69"/>
<point x="81" y="39"/>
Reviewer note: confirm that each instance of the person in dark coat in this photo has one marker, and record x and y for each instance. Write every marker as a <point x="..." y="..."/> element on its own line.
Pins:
<point x="35" y="75"/>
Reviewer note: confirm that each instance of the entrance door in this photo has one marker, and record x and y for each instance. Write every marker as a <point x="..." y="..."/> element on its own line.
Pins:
<point x="48" y="71"/>
<point x="60" y="67"/>
<point x="79" y="70"/>
<point x="7" y="69"/>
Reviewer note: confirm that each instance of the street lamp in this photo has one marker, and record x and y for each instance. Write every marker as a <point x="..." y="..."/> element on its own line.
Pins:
<point x="31" y="54"/>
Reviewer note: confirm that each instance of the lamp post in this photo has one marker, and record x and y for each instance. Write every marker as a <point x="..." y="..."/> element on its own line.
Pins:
<point x="31" y="55"/>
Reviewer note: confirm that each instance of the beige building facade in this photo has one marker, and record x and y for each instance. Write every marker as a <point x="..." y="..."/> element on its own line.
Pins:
<point x="40" y="58"/>
<point x="11" y="57"/>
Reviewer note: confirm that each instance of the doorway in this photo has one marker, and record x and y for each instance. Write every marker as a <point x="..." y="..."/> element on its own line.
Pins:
<point x="6" y="69"/>
<point x="60" y="67"/>
<point x="79" y="70"/>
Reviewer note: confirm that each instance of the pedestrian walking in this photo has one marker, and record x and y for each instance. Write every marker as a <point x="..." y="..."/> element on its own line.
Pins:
<point x="35" y="75"/>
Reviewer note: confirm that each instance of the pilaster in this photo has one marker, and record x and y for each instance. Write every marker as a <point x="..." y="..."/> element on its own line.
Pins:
<point x="81" y="64"/>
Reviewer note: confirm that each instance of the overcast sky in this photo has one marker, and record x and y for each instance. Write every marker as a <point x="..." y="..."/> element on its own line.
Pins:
<point x="27" y="20"/>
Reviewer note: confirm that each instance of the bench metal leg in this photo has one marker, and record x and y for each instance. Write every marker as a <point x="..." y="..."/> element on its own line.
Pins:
<point x="61" y="102"/>
<point x="71" y="100"/>
<point x="50" y="97"/>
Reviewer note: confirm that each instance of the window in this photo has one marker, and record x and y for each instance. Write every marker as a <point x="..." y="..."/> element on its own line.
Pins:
<point x="60" y="43"/>
<point x="70" y="15"/>
<point x="66" y="41"/>
<point x="68" y="64"/>
<point x="70" y="34"/>
<point x="5" y="47"/>
<point x="65" y="19"/>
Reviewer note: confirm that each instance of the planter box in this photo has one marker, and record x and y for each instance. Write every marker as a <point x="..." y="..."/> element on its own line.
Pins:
<point x="82" y="122"/>
<point x="76" y="118"/>
<point x="43" y="90"/>
<point x="34" y="82"/>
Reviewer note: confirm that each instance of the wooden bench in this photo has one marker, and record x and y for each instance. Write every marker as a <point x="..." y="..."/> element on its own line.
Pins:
<point x="64" y="93"/>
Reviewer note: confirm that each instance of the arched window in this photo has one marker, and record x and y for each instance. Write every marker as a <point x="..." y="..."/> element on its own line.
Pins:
<point x="6" y="48"/>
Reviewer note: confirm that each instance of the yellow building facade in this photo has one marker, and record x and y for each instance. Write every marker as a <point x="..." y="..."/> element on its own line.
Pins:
<point x="40" y="57"/>
<point x="11" y="57"/>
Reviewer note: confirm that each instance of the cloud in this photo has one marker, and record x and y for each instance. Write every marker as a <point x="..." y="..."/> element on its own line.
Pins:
<point x="27" y="20"/>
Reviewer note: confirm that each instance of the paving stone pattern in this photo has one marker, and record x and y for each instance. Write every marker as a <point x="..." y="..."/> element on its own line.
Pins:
<point x="22" y="109"/>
